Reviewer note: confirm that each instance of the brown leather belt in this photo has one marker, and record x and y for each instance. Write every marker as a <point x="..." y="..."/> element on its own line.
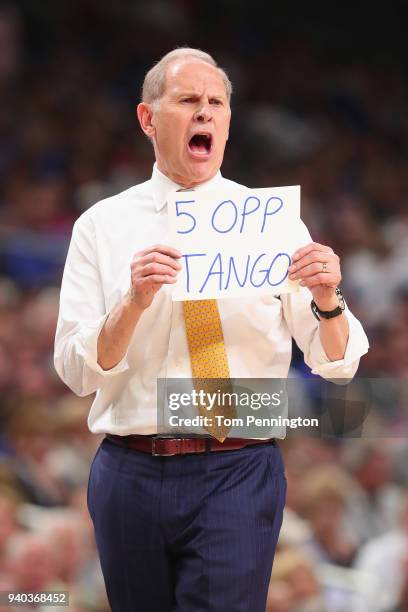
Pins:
<point x="167" y="447"/>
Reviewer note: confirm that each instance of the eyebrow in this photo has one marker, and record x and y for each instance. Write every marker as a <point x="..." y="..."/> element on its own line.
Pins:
<point x="191" y="94"/>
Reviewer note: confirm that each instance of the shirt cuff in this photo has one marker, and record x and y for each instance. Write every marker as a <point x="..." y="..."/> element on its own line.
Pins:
<point x="89" y="349"/>
<point x="357" y="345"/>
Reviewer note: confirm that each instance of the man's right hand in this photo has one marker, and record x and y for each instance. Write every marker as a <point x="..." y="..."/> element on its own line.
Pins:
<point x="150" y="269"/>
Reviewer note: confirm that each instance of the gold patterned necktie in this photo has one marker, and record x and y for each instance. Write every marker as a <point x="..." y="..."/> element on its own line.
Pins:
<point x="209" y="362"/>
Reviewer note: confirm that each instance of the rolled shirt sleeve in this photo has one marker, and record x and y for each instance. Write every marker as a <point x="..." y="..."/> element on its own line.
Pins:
<point x="82" y="314"/>
<point x="304" y="328"/>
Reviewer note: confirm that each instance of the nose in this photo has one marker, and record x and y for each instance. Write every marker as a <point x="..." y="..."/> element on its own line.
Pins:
<point x="203" y="114"/>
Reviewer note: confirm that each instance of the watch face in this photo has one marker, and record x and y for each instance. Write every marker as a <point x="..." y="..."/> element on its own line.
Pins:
<point x="342" y="303"/>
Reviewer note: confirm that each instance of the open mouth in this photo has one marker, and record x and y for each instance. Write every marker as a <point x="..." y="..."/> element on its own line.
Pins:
<point x="200" y="144"/>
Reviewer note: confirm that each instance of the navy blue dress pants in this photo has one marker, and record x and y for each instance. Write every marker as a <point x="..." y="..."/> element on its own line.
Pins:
<point x="188" y="533"/>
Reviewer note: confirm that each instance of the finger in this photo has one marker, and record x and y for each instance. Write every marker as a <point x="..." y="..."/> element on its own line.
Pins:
<point x="326" y="280"/>
<point x="154" y="280"/>
<point x="156" y="257"/>
<point x="163" y="279"/>
<point x="307" y="271"/>
<point x="313" y="246"/>
<point x="160" y="248"/>
<point x="319" y="257"/>
<point x="156" y="268"/>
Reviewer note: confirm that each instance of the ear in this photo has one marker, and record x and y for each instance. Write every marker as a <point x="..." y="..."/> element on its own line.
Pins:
<point x="145" y="116"/>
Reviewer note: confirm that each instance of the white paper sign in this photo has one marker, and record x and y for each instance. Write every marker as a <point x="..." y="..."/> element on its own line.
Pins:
<point x="235" y="242"/>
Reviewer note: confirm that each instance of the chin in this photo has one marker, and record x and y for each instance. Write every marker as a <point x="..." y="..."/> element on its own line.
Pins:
<point x="202" y="171"/>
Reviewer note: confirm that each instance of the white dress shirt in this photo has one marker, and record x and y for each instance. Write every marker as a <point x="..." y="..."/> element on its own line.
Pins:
<point x="257" y="331"/>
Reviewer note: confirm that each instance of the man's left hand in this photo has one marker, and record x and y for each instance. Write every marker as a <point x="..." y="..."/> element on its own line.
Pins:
<point x="317" y="267"/>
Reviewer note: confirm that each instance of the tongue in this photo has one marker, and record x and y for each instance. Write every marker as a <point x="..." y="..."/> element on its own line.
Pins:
<point x="198" y="146"/>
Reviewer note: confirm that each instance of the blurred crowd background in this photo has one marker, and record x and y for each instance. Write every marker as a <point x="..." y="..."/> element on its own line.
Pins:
<point x="321" y="99"/>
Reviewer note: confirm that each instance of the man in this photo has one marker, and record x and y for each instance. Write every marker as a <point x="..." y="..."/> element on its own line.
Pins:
<point x="192" y="525"/>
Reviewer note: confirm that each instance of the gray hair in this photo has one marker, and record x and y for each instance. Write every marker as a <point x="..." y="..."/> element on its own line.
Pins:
<point x="155" y="79"/>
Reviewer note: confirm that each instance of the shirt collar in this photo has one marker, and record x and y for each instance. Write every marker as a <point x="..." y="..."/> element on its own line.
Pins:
<point x="162" y="186"/>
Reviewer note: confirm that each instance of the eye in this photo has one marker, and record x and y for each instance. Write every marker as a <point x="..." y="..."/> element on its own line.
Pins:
<point x="187" y="100"/>
<point x="216" y="102"/>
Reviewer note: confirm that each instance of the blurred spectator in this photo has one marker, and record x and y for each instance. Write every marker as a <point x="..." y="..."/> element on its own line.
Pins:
<point x="69" y="457"/>
<point x="31" y="431"/>
<point x="30" y="563"/>
<point x="386" y="559"/>
<point x="297" y="588"/>
<point x="325" y="492"/>
<point x="375" y="501"/>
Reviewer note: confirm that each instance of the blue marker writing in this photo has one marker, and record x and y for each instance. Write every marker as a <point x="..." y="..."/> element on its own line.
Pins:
<point x="268" y="213"/>
<point x="179" y="213"/>
<point x="232" y="267"/>
<point x="245" y="213"/>
<point x="214" y="272"/>
<point x="186" y="257"/>
<point x="274" y="260"/>
<point x="224" y="231"/>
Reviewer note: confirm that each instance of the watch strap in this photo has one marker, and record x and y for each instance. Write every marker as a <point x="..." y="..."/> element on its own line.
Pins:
<point x="329" y="314"/>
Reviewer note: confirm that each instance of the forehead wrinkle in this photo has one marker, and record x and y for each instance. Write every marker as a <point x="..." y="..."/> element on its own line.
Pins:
<point x="178" y="82"/>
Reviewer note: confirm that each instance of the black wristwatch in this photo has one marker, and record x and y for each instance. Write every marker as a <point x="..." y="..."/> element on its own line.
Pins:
<point x="329" y="314"/>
